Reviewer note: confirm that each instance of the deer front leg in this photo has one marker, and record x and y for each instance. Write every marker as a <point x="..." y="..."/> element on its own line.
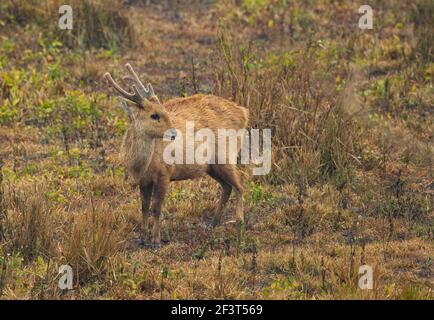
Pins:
<point x="160" y="190"/>
<point x="145" y="195"/>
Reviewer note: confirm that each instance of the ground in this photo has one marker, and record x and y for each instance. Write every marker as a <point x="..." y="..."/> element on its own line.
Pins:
<point x="351" y="184"/>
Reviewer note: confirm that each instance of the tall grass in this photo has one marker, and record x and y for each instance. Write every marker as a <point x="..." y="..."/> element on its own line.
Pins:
<point x="313" y="137"/>
<point x="2" y="209"/>
<point x="27" y="222"/>
<point x="96" y="23"/>
<point x="92" y="237"/>
<point x="421" y="15"/>
<point x="33" y="227"/>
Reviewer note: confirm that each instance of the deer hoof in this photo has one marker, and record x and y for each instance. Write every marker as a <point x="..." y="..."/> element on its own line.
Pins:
<point x="156" y="246"/>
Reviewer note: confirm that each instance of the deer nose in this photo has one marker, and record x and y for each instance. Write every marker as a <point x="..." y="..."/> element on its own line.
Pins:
<point x="172" y="134"/>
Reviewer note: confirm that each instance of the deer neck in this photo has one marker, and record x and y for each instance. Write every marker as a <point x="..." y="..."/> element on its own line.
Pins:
<point x="137" y="151"/>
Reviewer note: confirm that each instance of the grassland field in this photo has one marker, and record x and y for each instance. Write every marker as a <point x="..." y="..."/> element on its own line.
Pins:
<point x="351" y="184"/>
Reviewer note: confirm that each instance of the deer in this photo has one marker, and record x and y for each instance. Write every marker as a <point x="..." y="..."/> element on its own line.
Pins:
<point x="143" y="145"/>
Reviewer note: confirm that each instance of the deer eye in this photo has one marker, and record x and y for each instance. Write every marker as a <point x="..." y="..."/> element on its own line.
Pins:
<point x="155" y="116"/>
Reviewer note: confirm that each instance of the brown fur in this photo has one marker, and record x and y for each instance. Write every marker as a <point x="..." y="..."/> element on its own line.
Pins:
<point x="142" y="150"/>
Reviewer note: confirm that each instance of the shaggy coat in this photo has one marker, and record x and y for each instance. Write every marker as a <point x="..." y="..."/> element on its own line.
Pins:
<point x="143" y="145"/>
<point x="143" y="154"/>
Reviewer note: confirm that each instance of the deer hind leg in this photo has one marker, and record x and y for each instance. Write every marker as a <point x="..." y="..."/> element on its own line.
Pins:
<point x="145" y="195"/>
<point x="229" y="174"/>
<point x="226" y="192"/>
<point x="160" y="190"/>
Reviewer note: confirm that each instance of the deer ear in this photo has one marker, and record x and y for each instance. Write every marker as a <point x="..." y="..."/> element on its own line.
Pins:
<point x="126" y="108"/>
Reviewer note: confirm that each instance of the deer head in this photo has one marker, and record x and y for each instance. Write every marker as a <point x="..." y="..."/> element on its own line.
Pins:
<point x="149" y="118"/>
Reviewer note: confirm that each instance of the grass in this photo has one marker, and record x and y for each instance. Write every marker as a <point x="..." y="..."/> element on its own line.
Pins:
<point x="351" y="180"/>
<point x="95" y="23"/>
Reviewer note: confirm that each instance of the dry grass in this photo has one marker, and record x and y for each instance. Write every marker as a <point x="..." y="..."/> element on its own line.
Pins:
<point x="315" y="139"/>
<point x="96" y="23"/>
<point x="351" y="182"/>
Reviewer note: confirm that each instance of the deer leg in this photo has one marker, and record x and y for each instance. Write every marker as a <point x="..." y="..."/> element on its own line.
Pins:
<point x="160" y="190"/>
<point x="230" y="175"/>
<point x="226" y="192"/>
<point x="145" y="195"/>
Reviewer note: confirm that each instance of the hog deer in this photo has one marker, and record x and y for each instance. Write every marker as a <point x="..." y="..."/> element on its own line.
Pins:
<point x="143" y="144"/>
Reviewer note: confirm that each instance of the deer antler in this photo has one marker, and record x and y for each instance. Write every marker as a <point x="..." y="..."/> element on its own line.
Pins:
<point x="152" y="93"/>
<point x="134" y="97"/>
<point x="146" y="92"/>
<point x="141" y="92"/>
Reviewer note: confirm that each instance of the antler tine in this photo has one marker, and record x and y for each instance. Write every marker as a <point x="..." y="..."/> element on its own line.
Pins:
<point x="135" y="76"/>
<point x="146" y="92"/>
<point x="134" y="97"/>
<point x="152" y="93"/>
